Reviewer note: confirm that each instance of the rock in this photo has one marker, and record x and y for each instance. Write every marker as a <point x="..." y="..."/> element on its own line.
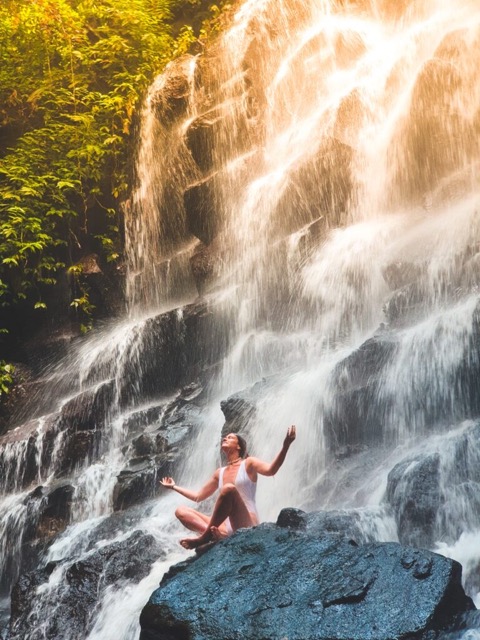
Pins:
<point x="292" y="518"/>
<point x="433" y="120"/>
<point x="317" y="190"/>
<point x="406" y="305"/>
<point x="90" y="409"/>
<point x="144" y="417"/>
<point x="240" y="408"/>
<point x="170" y="101"/>
<point x="26" y="453"/>
<point x="105" y="286"/>
<point x="201" y="322"/>
<point x="239" y="411"/>
<point x="179" y="422"/>
<point x="89" y="264"/>
<point x="157" y="449"/>
<point x="79" y="447"/>
<point x="54" y="514"/>
<point x="204" y="267"/>
<point x="144" y="445"/>
<point x="350" y="113"/>
<point x="217" y="129"/>
<point x="174" y="348"/>
<point x="424" y="488"/>
<point x="200" y="138"/>
<point x="362" y="410"/>
<point x="355" y="416"/>
<point x="47" y="514"/>
<point x="347" y="523"/>
<point x="349" y="47"/>
<point x="413" y="492"/>
<point x="202" y="211"/>
<point x="81" y="589"/>
<point x="394" y="8"/>
<point x="139" y="481"/>
<point x="400" y="274"/>
<point x="271" y="583"/>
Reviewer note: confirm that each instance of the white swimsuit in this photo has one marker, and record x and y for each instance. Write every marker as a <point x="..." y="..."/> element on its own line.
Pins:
<point x="246" y="488"/>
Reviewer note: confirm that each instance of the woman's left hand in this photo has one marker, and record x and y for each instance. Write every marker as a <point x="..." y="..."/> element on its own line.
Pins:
<point x="291" y="435"/>
<point x="168" y="482"/>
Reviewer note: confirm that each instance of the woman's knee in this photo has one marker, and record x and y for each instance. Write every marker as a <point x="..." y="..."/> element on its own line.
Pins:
<point x="182" y="512"/>
<point x="228" y="489"/>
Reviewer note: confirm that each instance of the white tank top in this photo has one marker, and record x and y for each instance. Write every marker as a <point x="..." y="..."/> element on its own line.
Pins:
<point x="246" y="487"/>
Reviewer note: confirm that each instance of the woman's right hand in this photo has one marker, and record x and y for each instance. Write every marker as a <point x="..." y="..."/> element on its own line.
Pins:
<point x="169" y="483"/>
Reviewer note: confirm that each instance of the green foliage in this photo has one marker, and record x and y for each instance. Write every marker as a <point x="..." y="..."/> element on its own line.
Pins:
<point x="6" y="377"/>
<point x="71" y="75"/>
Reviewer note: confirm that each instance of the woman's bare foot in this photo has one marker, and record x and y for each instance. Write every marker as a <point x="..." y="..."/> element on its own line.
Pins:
<point x="213" y="533"/>
<point x="191" y="543"/>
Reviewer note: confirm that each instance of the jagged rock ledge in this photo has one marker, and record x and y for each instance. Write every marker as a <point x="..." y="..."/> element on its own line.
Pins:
<point x="285" y="581"/>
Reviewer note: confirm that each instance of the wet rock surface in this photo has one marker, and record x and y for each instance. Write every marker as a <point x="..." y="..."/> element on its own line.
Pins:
<point x="422" y="489"/>
<point x="152" y="454"/>
<point x="365" y="408"/>
<point x="273" y="582"/>
<point x="346" y="523"/>
<point x="115" y="564"/>
<point x="414" y="492"/>
<point x="202" y="211"/>
<point x="171" y="98"/>
<point x="354" y="417"/>
<point x="240" y="409"/>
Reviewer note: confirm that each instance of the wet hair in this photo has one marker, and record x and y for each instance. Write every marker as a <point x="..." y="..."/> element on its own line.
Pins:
<point x="243" y="446"/>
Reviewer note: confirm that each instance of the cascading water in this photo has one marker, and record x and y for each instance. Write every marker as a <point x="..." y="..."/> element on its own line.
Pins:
<point x="315" y="177"/>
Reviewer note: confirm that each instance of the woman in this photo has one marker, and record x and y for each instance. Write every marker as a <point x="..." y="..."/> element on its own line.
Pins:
<point x="237" y="481"/>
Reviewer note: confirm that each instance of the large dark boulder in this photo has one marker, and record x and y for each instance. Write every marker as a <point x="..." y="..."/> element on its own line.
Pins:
<point x="215" y="136"/>
<point x="240" y="409"/>
<point x="271" y="582"/>
<point x="414" y="493"/>
<point x="434" y="495"/>
<point x="139" y="481"/>
<point x="201" y="138"/>
<point x="159" y="437"/>
<point x="355" y="416"/>
<point x="205" y="266"/>
<point x="55" y="509"/>
<point x="170" y="351"/>
<point x="366" y="403"/>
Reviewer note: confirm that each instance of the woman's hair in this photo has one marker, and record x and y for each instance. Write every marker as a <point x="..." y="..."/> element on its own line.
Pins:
<point x="243" y="446"/>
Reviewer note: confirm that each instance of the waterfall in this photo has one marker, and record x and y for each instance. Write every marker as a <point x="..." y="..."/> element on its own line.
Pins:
<point x="303" y="231"/>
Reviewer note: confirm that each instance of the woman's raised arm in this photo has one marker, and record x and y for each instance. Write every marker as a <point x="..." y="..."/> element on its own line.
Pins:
<point x="271" y="468"/>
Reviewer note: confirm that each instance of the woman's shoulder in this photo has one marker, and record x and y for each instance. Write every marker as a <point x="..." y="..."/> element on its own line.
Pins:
<point x="250" y="463"/>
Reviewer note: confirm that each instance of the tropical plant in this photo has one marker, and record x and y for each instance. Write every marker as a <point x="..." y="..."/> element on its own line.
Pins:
<point x="71" y="76"/>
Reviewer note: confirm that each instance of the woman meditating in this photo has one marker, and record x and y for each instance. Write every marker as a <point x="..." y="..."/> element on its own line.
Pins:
<point x="237" y="481"/>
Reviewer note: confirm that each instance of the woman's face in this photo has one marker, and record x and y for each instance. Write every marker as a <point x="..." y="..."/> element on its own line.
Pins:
<point x="230" y="442"/>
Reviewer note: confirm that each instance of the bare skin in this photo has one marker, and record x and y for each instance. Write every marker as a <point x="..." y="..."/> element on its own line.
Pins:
<point x="230" y="503"/>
